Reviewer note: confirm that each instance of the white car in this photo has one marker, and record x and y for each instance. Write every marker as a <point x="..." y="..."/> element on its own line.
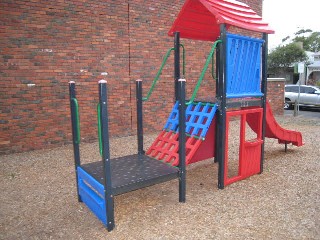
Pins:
<point x="309" y="96"/>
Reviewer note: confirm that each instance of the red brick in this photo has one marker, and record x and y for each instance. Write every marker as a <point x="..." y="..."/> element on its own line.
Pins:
<point x="49" y="44"/>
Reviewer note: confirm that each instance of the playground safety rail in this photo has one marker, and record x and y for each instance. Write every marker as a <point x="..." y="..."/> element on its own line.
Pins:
<point x="195" y="91"/>
<point x="155" y="80"/>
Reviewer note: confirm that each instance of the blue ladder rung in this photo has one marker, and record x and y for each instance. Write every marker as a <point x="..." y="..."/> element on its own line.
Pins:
<point x="198" y="119"/>
<point x="173" y="120"/>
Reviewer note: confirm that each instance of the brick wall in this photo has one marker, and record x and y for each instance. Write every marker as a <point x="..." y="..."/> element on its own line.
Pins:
<point x="44" y="45"/>
<point x="275" y="94"/>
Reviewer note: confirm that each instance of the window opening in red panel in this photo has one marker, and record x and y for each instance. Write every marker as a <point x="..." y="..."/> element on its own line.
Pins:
<point x="233" y="150"/>
<point x="250" y="134"/>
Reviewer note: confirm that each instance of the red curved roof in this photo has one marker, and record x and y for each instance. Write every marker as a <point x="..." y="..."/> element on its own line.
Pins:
<point x="200" y="19"/>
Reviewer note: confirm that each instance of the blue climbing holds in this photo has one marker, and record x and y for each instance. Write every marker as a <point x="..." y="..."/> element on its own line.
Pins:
<point x="198" y="119"/>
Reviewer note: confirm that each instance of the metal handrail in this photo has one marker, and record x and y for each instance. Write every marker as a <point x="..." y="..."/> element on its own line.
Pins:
<point x="194" y="94"/>
<point x="76" y="105"/>
<point x="158" y="74"/>
<point x="160" y="71"/>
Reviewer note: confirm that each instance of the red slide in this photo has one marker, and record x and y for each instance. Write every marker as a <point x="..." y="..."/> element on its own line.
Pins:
<point x="274" y="130"/>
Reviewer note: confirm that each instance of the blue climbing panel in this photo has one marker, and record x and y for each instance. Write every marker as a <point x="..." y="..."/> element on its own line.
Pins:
<point x="243" y="61"/>
<point x="92" y="194"/>
<point x="198" y="119"/>
<point x="172" y="123"/>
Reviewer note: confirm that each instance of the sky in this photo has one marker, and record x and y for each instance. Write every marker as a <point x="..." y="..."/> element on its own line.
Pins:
<point x="288" y="16"/>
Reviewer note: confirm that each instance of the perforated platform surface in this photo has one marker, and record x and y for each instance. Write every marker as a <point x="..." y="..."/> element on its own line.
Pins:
<point x="133" y="172"/>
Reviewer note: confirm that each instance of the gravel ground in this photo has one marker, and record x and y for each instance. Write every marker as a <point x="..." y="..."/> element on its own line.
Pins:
<point x="38" y="197"/>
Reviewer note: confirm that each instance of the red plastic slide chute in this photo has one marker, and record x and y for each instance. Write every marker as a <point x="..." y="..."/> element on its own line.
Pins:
<point x="274" y="130"/>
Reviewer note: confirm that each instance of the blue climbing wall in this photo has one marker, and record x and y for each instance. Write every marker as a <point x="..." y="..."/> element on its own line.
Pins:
<point x="198" y="118"/>
<point x="243" y="61"/>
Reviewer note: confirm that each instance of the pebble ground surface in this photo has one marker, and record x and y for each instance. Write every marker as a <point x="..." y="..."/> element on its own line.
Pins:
<point x="38" y="196"/>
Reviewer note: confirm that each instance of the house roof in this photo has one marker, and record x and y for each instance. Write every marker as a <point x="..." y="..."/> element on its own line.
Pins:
<point x="200" y="19"/>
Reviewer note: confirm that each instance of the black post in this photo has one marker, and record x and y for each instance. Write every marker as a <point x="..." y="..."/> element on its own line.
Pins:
<point x="221" y="118"/>
<point x="106" y="154"/>
<point x="176" y="63"/>
<point x="75" y="129"/>
<point x="264" y="97"/>
<point x="217" y="97"/>
<point x="182" y="140"/>
<point x="139" y="116"/>
<point x="285" y="147"/>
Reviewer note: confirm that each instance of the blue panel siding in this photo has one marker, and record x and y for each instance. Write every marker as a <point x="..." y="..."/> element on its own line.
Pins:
<point x="92" y="194"/>
<point x="243" y="66"/>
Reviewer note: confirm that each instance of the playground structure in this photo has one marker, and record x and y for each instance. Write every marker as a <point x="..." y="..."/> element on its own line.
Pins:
<point x="195" y="130"/>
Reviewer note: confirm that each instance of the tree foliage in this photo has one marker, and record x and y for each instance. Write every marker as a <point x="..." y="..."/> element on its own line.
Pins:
<point x="309" y="39"/>
<point x="285" y="56"/>
<point x="310" y="43"/>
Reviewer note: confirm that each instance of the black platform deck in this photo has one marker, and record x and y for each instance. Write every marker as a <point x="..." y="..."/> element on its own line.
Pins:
<point x="133" y="172"/>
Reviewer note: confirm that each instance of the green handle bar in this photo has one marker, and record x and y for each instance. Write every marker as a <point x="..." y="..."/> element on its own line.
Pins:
<point x="183" y="60"/>
<point x="213" y="73"/>
<point x="160" y="71"/>
<point x="203" y="72"/>
<point x="158" y="75"/>
<point x="99" y="130"/>
<point x="76" y="105"/>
